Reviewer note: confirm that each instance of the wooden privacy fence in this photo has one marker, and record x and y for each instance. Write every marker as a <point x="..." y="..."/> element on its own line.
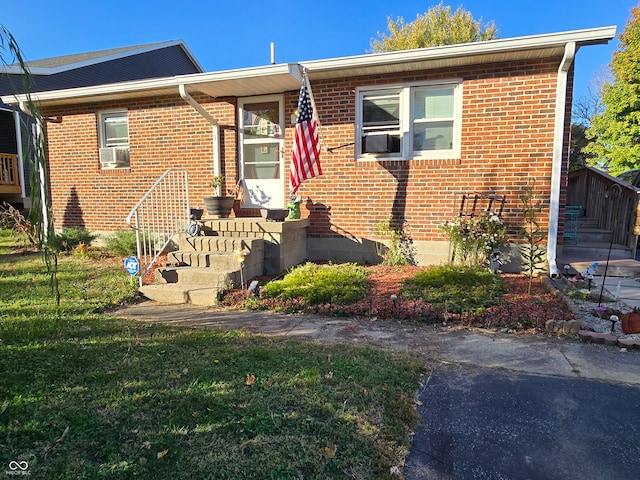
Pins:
<point x="614" y="204"/>
<point x="9" y="175"/>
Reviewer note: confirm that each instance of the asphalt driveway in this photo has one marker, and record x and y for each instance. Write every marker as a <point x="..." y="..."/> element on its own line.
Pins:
<point x="487" y="424"/>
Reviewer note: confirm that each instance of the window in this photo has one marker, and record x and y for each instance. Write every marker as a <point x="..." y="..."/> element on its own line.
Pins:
<point x="409" y="121"/>
<point x="113" y="132"/>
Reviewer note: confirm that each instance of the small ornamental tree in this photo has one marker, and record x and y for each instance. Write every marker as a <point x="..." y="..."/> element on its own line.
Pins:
<point x="532" y="251"/>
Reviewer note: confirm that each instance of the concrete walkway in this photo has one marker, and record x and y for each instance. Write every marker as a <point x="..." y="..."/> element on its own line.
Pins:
<point x="558" y="356"/>
<point x="629" y="289"/>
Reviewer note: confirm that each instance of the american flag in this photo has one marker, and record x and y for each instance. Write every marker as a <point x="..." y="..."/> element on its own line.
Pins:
<point x="305" y="161"/>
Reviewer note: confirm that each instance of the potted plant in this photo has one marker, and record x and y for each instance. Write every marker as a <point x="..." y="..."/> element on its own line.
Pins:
<point x="218" y="205"/>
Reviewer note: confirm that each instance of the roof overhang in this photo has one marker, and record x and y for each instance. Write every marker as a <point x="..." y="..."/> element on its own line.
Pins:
<point x="494" y="51"/>
<point x="230" y="83"/>
<point x="286" y="77"/>
<point x="56" y="65"/>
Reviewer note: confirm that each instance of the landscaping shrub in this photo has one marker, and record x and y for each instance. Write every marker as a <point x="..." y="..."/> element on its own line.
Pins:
<point x="400" y="250"/>
<point x="69" y="238"/>
<point x="122" y="243"/>
<point x="474" y="238"/>
<point x="316" y="284"/>
<point x="454" y="288"/>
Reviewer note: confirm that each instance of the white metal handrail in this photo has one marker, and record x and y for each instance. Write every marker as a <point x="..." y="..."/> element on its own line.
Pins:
<point x="159" y="215"/>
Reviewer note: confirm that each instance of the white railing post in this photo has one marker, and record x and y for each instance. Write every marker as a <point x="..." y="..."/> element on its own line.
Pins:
<point x="159" y="215"/>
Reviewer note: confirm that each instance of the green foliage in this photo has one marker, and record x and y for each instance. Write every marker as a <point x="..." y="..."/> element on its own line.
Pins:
<point x="533" y="252"/>
<point x="453" y="288"/>
<point x="343" y="284"/>
<point x="437" y="26"/>
<point x="122" y="243"/>
<point x="474" y="238"/>
<point x="578" y="158"/>
<point x="616" y="130"/>
<point x="69" y="238"/>
<point x="400" y="250"/>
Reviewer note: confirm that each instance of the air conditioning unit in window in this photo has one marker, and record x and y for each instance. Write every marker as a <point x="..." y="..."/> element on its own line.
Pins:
<point x="376" y="144"/>
<point x="113" y="157"/>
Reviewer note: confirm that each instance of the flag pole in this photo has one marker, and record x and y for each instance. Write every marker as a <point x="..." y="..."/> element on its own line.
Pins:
<point x="305" y="79"/>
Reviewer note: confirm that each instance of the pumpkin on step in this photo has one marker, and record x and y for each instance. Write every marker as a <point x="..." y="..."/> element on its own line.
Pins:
<point x="631" y="322"/>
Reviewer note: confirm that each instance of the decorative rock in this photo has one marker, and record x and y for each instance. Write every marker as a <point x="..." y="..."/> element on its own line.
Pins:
<point x="595" y="337"/>
<point x="629" y="343"/>
<point x="575" y="327"/>
<point x="584" y="335"/>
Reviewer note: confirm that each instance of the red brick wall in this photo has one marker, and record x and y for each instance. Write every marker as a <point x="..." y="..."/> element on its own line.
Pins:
<point x="163" y="133"/>
<point x="507" y="139"/>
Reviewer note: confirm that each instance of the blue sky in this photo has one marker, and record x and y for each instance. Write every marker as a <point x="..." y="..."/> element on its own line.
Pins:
<point x="225" y="35"/>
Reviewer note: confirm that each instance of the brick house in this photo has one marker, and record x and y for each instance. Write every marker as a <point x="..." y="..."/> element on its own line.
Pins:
<point x="121" y="64"/>
<point x="405" y="134"/>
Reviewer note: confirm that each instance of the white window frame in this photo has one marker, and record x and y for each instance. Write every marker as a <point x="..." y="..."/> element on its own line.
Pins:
<point x="102" y="135"/>
<point x="406" y="121"/>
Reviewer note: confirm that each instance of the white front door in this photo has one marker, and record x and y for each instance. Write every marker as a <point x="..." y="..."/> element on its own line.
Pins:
<point x="262" y="151"/>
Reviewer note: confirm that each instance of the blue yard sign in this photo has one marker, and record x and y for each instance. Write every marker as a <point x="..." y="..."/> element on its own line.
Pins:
<point x="132" y="265"/>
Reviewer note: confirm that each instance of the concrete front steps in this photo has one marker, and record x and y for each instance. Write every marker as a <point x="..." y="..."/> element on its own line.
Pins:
<point x="200" y="268"/>
<point x="198" y="276"/>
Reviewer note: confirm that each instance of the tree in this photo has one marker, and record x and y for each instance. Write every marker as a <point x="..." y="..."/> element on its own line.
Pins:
<point x="616" y="130"/>
<point x="437" y="26"/>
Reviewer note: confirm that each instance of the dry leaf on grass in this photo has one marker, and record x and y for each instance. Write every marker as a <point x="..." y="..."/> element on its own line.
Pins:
<point x="250" y="380"/>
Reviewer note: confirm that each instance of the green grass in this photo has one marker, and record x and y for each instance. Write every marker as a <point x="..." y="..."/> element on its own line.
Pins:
<point x="83" y="395"/>
<point x="455" y="288"/>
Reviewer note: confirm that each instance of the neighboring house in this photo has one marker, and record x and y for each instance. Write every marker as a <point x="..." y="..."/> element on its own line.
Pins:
<point x="405" y="134"/>
<point x="124" y="64"/>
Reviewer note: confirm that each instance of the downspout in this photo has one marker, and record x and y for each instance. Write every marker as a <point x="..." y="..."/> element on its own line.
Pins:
<point x="216" y="128"/>
<point x="36" y="132"/>
<point x="558" y="150"/>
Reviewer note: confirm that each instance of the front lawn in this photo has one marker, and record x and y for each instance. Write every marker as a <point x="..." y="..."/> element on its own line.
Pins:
<point x="87" y="396"/>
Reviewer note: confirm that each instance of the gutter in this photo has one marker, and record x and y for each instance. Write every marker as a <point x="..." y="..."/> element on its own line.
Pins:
<point x="558" y="150"/>
<point x="182" y="88"/>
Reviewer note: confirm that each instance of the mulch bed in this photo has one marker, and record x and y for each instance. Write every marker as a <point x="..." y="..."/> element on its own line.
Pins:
<point x="518" y="311"/>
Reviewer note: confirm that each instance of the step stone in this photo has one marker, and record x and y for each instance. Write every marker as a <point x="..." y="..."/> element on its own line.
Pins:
<point x="218" y="260"/>
<point x="597" y="250"/>
<point x="213" y="243"/>
<point x="591" y="235"/>
<point x="179" y="294"/>
<point x="203" y="276"/>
